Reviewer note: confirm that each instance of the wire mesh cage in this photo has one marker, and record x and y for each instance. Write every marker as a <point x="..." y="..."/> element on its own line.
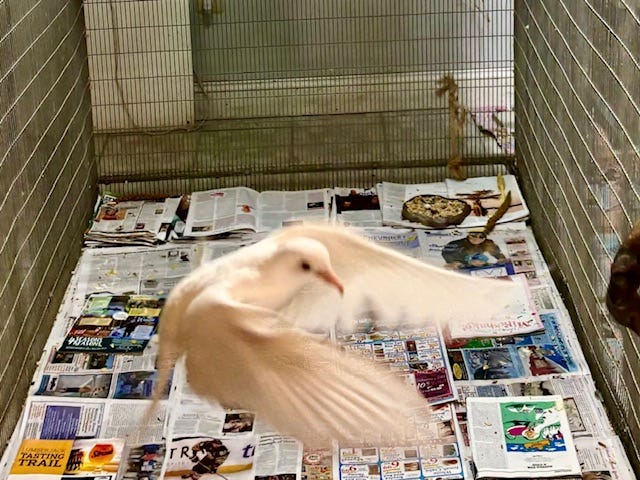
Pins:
<point x="161" y="97"/>
<point x="576" y="94"/>
<point x="215" y="92"/>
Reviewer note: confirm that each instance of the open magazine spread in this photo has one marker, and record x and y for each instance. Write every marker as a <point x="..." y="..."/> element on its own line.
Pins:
<point x="521" y="437"/>
<point x="481" y="194"/>
<point x="93" y="384"/>
<point x="214" y="212"/>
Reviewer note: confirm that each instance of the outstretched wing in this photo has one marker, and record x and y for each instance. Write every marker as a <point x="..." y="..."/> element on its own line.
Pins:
<point x="395" y="288"/>
<point x="301" y="385"/>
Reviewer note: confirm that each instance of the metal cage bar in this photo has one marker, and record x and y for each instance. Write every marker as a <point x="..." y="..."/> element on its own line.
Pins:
<point x="577" y="90"/>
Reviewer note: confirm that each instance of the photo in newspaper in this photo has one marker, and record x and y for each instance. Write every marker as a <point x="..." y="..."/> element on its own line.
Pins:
<point x="505" y="251"/>
<point x="68" y="459"/>
<point x="114" y="324"/>
<point x="144" y="461"/>
<point x="512" y="357"/>
<point x="357" y="207"/>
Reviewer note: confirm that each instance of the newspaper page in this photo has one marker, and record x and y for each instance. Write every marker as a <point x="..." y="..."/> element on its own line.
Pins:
<point x="215" y="212"/>
<point x="537" y="355"/>
<point x="279" y="209"/>
<point x="521" y="437"/>
<point x="602" y="458"/>
<point x="206" y="440"/>
<point x="136" y="270"/>
<point x="278" y="457"/>
<point x="55" y="419"/>
<point x="357" y="207"/>
<point x="393" y="195"/>
<point x="438" y="458"/>
<point x="404" y="240"/>
<point x="527" y="321"/>
<point x="68" y="459"/>
<point x="482" y="194"/>
<point x="133" y="222"/>
<point x="213" y="250"/>
<point x="586" y="415"/>
<point x="114" y="324"/>
<point x="317" y="464"/>
<point x="505" y="251"/>
<point x="123" y="419"/>
<point x="417" y="354"/>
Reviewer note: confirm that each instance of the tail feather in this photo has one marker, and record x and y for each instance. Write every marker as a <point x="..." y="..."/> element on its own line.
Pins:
<point x="170" y="348"/>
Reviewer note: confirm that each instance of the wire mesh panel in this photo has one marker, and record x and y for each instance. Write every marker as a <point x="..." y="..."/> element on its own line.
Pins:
<point x="47" y="180"/>
<point x="289" y="87"/>
<point x="577" y="90"/>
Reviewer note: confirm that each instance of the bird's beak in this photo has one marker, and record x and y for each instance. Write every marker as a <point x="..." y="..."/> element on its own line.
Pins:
<point x="331" y="278"/>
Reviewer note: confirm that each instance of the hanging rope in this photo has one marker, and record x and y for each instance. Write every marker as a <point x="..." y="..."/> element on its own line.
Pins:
<point x="457" y="116"/>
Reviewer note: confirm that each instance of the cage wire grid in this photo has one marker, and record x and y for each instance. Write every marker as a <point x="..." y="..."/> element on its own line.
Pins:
<point x="265" y="92"/>
<point x="576" y="89"/>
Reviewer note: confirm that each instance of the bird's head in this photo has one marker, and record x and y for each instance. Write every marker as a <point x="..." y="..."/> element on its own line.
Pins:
<point x="305" y="259"/>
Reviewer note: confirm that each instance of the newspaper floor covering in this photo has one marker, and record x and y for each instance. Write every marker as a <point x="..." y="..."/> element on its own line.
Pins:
<point x="98" y="395"/>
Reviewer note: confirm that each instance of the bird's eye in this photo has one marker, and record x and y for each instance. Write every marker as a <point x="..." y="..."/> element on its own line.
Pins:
<point x="305" y="266"/>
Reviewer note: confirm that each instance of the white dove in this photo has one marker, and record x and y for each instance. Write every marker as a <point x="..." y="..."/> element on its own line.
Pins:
<point x="242" y="322"/>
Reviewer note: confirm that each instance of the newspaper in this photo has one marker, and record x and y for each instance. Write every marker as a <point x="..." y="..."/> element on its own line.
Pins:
<point x="205" y="438"/>
<point x="539" y="355"/>
<point x="136" y="270"/>
<point x="144" y="461"/>
<point x="480" y="193"/>
<point x="214" y="212"/>
<point x="104" y="380"/>
<point x="68" y="459"/>
<point x="139" y="222"/>
<point x="114" y="324"/>
<point x="63" y="419"/>
<point x="416" y="354"/>
<point x="527" y="321"/>
<point x="521" y="437"/>
<point x="585" y="413"/>
<point x="505" y="251"/>
<point x="403" y="240"/>
<point x="602" y="457"/>
<point x="102" y="395"/>
<point x="357" y="207"/>
<point x="54" y="418"/>
<point x="439" y="458"/>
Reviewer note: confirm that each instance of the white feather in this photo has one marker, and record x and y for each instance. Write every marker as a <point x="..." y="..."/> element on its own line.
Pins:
<point x="242" y="320"/>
